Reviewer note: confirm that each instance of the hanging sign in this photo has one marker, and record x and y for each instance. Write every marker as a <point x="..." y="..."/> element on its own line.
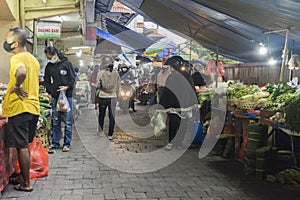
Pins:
<point x="48" y="30"/>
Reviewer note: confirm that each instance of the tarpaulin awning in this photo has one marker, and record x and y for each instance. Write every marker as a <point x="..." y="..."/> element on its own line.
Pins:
<point x="235" y="27"/>
<point x="135" y="40"/>
<point x="109" y="37"/>
<point x="109" y="44"/>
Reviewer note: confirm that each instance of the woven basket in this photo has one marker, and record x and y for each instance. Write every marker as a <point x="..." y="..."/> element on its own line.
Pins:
<point x="247" y="105"/>
<point x="232" y="102"/>
<point x="263" y="104"/>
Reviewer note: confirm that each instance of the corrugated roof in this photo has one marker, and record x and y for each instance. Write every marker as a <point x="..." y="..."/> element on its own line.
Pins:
<point x="235" y="26"/>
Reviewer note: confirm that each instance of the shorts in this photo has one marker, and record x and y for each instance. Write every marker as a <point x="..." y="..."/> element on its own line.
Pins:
<point x="21" y="130"/>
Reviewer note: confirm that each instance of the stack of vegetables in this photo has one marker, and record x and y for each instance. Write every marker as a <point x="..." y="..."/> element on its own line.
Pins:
<point x="280" y="94"/>
<point x="205" y="95"/>
<point x="272" y="97"/>
<point x="265" y="161"/>
<point x="43" y="127"/>
<point x="247" y="97"/>
<point x="287" y="176"/>
<point x="292" y="116"/>
<point x="256" y="137"/>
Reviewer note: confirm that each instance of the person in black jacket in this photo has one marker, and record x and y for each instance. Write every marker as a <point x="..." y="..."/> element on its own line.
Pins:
<point x="179" y="93"/>
<point x="59" y="76"/>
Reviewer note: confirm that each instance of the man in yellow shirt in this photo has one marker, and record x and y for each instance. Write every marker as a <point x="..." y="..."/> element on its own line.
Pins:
<point x="21" y="102"/>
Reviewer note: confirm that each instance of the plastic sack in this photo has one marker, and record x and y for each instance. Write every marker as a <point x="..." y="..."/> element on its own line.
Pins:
<point x="62" y="103"/>
<point x="39" y="165"/>
<point x="159" y="122"/>
<point x="39" y="159"/>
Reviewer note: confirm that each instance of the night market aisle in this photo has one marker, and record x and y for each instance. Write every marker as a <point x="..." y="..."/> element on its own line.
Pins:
<point x="80" y="174"/>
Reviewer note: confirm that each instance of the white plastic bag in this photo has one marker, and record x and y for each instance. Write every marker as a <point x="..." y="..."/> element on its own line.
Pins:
<point x="62" y="103"/>
<point x="159" y="122"/>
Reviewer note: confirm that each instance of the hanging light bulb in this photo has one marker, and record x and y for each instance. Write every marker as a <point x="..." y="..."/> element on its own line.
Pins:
<point x="262" y="49"/>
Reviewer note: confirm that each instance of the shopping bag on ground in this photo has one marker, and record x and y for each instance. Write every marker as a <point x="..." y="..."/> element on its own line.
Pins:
<point x="39" y="165"/>
<point x="39" y="159"/>
<point x="197" y="136"/>
<point x="62" y="103"/>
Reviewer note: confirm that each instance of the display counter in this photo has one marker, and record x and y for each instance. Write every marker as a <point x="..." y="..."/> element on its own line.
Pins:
<point x="241" y="134"/>
<point x="8" y="156"/>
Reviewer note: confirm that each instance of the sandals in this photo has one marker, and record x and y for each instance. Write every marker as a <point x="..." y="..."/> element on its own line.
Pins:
<point x="66" y="149"/>
<point x="19" y="188"/>
<point x="169" y="146"/>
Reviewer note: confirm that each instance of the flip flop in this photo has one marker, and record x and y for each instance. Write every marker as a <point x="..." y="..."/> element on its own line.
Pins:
<point x="169" y="146"/>
<point x="19" y="188"/>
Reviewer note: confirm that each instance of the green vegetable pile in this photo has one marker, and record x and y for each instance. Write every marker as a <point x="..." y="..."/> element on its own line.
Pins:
<point x="205" y="96"/>
<point x="288" y="176"/>
<point x="292" y="110"/>
<point x="280" y="95"/>
<point x="280" y="89"/>
<point x="238" y="90"/>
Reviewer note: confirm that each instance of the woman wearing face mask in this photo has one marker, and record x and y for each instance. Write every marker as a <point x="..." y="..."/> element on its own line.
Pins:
<point x="59" y="76"/>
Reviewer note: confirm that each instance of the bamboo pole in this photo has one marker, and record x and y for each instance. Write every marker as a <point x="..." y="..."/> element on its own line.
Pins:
<point x="284" y="55"/>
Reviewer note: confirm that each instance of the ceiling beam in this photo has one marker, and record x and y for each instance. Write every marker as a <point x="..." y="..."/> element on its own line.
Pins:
<point x="36" y="9"/>
<point x="49" y="13"/>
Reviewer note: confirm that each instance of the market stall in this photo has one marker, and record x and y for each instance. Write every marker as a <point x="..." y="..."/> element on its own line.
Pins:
<point x="265" y="121"/>
<point x="8" y="156"/>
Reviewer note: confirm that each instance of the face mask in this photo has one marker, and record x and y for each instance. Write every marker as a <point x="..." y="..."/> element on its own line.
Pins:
<point x="7" y="47"/>
<point x="53" y="60"/>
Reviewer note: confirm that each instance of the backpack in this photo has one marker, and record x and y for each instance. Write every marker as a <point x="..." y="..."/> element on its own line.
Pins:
<point x="108" y="82"/>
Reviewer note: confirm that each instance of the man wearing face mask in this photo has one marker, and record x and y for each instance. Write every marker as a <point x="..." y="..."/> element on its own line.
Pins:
<point x="21" y="103"/>
<point x="59" y="76"/>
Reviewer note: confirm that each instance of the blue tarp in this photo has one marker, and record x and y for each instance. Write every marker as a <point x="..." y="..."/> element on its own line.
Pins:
<point x="133" y="39"/>
<point x="109" y="37"/>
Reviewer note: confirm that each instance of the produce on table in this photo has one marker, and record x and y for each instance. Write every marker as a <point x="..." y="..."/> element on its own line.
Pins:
<point x="292" y="110"/>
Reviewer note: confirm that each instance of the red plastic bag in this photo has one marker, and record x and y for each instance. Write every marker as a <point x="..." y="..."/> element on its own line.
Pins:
<point x="39" y="165"/>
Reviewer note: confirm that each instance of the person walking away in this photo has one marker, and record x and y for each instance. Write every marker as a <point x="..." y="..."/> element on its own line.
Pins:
<point x="129" y="77"/>
<point x="108" y="85"/>
<point x="178" y="93"/>
<point x="60" y="76"/>
<point x="21" y="102"/>
<point x="93" y="82"/>
<point x="161" y="80"/>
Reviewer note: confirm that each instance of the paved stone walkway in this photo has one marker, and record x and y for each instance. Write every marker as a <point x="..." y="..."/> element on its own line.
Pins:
<point x="81" y="175"/>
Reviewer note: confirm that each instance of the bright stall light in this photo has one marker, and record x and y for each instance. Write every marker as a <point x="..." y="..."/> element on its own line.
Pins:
<point x="79" y="53"/>
<point x="272" y="61"/>
<point x="81" y="64"/>
<point x="263" y="50"/>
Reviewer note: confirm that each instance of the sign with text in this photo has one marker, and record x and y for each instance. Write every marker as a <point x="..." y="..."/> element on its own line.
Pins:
<point x="48" y="30"/>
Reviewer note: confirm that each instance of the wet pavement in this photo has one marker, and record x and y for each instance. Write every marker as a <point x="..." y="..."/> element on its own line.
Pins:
<point x="96" y="168"/>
